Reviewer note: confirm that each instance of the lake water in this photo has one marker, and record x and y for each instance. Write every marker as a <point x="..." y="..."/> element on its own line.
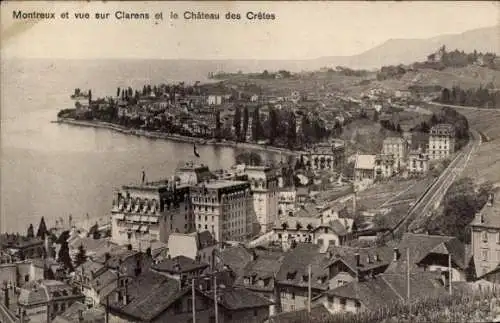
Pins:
<point x="54" y="170"/>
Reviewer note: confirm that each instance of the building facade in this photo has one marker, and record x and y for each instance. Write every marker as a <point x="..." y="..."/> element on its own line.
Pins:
<point x="485" y="237"/>
<point x="225" y="208"/>
<point x="326" y="156"/>
<point x="264" y="185"/>
<point x="418" y="163"/>
<point x="43" y="301"/>
<point x="398" y="147"/>
<point x="441" y="141"/>
<point x="150" y="212"/>
<point x="385" y="166"/>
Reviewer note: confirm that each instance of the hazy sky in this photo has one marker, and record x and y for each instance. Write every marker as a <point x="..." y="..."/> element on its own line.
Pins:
<point x="300" y="31"/>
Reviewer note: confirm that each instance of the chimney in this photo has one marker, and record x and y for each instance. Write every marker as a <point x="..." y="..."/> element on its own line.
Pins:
<point x="138" y="265"/>
<point x="396" y="254"/>
<point x="107" y="256"/>
<point x="254" y="255"/>
<point x="491" y="197"/>
<point x="6" y="296"/>
<point x="368" y="259"/>
<point x="358" y="259"/>
<point x="125" y="294"/>
<point x="377" y="258"/>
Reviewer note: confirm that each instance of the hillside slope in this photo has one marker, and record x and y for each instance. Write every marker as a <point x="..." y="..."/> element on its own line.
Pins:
<point x="407" y="51"/>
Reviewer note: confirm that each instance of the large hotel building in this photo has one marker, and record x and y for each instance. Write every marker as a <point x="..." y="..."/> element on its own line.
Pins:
<point x="223" y="207"/>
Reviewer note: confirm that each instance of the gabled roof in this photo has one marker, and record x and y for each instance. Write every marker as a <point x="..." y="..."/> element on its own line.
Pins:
<point x="179" y="264"/>
<point x="369" y="258"/>
<point x="235" y="258"/>
<point x="421" y="245"/>
<point x="318" y="314"/>
<point x="236" y="298"/>
<point x="295" y="267"/>
<point x="72" y="314"/>
<point x="149" y="295"/>
<point x="265" y="266"/>
<point x="390" y="288"/>
<point x="489" y="216"/>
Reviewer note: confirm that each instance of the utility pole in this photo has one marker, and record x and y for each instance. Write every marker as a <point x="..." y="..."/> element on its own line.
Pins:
<point x="309" y="292"/>
<point x="408" y="279"/>
<point x="193" y="295"/>
<point x="449" y="272"/>
<point x="215" y="300"/>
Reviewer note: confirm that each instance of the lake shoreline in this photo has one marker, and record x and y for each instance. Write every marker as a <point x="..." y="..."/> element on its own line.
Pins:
<point x="172" y="137"/>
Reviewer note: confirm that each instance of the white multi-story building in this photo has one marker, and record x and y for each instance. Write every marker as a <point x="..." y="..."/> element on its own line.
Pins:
<point x="149" y="212"/>
<point x="287" y="198"/>
<point x="441" y="141"/>
<point x="398" y="147"/>
<point x="225" y="208"/>
<point x="264" y="184"/>
<point x="418" y="162"/>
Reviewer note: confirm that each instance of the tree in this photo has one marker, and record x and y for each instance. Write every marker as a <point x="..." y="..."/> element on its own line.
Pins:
<point x="310" y="227"/>
<point x="218" y="131"/>
<point x="273" y="125"/>
<point x="298" y="226"/>
<point x="256" y="126"/>
<point x="445" y="96"/>
<point x="249" y="158"/>
<point x="245" y="123"/>
<point x="42" y="229"/>
<point x="81" y="256"/>
<point x="31" y="231"/>
<point x="292" y="131"/>
<point x="237" y="123"/>
<point x="460" y="204"/>
<point x="284" y="225"/>
<point x="63" y="256"/>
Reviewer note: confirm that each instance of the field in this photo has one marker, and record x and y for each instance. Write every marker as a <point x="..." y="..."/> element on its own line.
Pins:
<point x="390" y="194"/>
<point x="397" y="197"/>
<point x="465" y="77"/>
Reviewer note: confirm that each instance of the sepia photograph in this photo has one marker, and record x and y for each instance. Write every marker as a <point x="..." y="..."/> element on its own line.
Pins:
<point x="249" y="162"/>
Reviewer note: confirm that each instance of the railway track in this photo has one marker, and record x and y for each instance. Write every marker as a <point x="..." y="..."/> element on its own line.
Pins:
<point x="435" y="192"/>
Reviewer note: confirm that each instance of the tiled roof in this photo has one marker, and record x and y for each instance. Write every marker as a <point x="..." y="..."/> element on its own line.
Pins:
<point x="102" y="282"/>
<point x="236" y="258"/>
<point x="490" y="215"/>
<point x="43" y="291"/>
<point x="369" y="258"/>
<point x="390" y="288"/>
<point x="420" y="245"/>
<point x="72" y="314"/>
<point x="295" y="267"/>
<point x="365" y="162"/>
<point x="318" y="314"/>
<point x="179" y="264"/>
<point x="264" y="266"/>
<point x="238" y="298"/>
<point x="338" y="227"/>
<point x="149" y="295"/>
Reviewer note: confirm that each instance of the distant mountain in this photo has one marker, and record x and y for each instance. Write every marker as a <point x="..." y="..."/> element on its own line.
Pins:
<point x="406" y="51"/>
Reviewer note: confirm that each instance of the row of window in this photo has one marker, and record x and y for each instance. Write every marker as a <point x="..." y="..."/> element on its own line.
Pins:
<point x="484" y="236"/>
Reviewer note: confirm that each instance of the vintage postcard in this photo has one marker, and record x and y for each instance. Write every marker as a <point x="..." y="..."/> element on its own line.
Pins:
<point x="239" y="161"/>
